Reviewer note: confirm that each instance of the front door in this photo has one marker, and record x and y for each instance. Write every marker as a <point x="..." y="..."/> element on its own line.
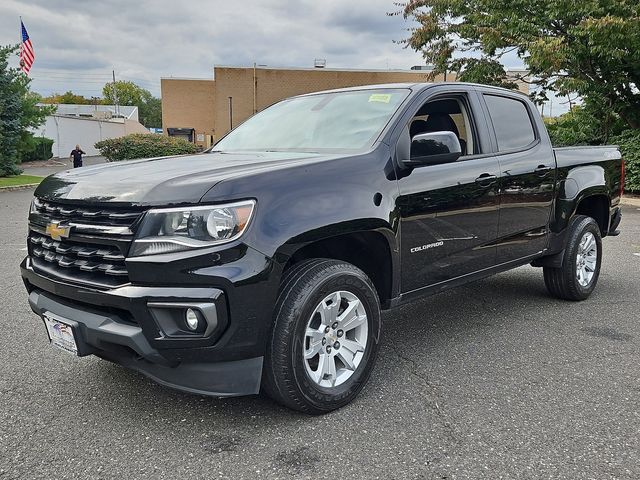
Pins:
<point x="449" y="212"/>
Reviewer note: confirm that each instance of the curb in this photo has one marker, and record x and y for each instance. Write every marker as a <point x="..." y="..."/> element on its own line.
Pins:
<point x="13" y="188"/>
<point x="632" y="201"/>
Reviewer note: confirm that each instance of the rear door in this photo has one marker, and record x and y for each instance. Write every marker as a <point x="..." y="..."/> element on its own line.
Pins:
<point x="527" y="177"/>
<point x="449" y="212"/>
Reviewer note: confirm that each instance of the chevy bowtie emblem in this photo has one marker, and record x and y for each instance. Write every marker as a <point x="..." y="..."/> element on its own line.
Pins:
<point x="57" y="231"/>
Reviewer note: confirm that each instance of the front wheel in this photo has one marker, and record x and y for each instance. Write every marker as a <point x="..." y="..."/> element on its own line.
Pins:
<point x="325" y="337"/>
<point x="578" y="275"/>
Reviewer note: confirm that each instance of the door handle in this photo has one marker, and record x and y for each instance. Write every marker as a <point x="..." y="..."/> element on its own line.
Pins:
<point x="542" y="170"/>
<point x="486" y="179"/>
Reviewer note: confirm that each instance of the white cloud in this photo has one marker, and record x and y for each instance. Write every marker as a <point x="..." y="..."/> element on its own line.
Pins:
<point x="78" y="43"/>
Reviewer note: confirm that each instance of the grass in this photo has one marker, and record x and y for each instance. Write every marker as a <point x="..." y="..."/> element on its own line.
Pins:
<point x="19" y="180"/>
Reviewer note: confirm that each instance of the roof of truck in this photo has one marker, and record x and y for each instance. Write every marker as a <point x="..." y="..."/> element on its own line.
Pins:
<point x="414" y="86"/>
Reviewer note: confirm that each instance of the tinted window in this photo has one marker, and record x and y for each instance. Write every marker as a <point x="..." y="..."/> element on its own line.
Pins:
<point x="511" y="122"/>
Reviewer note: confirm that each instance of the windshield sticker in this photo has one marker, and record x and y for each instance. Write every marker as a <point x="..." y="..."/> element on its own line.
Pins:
<point x="380" y="97"/>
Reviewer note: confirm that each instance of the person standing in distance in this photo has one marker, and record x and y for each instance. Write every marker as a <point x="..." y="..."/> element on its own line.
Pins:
<point x="76" y="154"/>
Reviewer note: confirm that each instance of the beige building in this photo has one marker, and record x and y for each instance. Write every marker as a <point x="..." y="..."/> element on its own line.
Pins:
<point x="204" y="110"/>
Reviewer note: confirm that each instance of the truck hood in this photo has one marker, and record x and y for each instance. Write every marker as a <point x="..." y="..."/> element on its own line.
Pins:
<point x="164" y="180"/>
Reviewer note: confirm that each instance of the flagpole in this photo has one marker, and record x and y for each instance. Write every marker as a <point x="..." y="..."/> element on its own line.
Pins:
<point x="20" y="46"/>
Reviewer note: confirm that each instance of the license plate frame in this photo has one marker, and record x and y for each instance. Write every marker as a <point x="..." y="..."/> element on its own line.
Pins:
<point x="61" y="333"/>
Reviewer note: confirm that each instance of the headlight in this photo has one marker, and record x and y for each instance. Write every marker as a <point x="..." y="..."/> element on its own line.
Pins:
<point x="174" y="229"/>
<point x="35" y="203"/>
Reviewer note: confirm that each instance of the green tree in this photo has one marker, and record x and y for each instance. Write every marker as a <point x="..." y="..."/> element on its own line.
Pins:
<point x="67" y="98"/>
<point x="128" y="93"/>
<point x="18" y="113"/>
<point x="586" y="47"/>
<point x="151" y="112"/>
<point x="123" y="93"/>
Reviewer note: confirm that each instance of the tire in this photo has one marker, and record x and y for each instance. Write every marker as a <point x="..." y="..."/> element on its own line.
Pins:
<point x="569" y="282"/>
<point x="304" y="326"/>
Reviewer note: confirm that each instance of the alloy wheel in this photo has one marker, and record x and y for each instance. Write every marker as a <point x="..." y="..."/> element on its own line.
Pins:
<point x="335" y="339"/>
<point x="586" y="259"/>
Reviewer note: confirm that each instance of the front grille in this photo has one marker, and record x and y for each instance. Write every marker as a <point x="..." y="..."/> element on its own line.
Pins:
<point x="87" y="258"/>
<point x="93" y="216"/>
<point x="95" y="251"/>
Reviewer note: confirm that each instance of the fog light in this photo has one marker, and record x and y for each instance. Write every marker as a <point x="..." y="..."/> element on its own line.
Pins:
<point x="192" y="319"/>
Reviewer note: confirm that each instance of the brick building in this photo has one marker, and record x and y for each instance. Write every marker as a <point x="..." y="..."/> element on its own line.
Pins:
<point x="204" y="110"/>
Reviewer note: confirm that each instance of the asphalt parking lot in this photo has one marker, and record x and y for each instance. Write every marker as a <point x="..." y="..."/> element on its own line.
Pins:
<point x="492" y="380"/>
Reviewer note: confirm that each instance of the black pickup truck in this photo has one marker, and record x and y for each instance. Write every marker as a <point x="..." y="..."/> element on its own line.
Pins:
<point x="263" y="263"/>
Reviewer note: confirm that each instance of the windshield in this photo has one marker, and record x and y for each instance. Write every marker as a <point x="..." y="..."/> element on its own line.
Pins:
<point x="340" y="121"/>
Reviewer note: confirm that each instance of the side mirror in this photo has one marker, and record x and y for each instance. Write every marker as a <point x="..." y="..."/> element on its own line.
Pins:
<point x="433" y="148"/>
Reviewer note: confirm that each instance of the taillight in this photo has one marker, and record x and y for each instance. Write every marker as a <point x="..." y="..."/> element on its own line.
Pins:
<point x="622" y="177"/>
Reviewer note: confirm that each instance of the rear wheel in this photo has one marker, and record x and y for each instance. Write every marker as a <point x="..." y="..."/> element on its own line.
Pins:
<point x="325" y="337"/>
<point x="578" y="275"/>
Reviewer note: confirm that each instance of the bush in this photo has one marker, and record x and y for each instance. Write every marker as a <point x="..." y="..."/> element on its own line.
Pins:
<point x="583" y="125"/>
<point x="629" y="143"/>
<point x="144" y="145"/>
<point x="36" y="148"/>
<point x="573" y="128"/>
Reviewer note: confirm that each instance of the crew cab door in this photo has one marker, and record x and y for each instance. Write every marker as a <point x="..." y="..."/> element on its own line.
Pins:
<point x="527" y="175"/>
<point x="448" y="212"/>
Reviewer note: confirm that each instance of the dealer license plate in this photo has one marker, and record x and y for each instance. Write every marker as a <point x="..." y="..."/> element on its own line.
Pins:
<point x="61" y="334"/>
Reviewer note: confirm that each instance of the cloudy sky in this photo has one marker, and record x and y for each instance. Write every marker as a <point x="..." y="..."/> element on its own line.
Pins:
<point x="79" y="43"/>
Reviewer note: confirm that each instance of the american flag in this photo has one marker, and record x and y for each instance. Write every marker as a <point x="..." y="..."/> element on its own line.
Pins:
<point x="27" y="55"/>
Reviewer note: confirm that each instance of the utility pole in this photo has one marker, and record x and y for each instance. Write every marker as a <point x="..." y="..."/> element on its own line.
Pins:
<point x="255" y="89"/>
<point x="115" y="93"/>
<point x="230" y="113"/>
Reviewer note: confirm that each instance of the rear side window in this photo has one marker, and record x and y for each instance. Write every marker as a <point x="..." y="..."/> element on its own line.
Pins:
<point x="511" y="122"/>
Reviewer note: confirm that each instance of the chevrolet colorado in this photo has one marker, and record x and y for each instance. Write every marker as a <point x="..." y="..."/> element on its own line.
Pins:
<point x="264" y="262"/>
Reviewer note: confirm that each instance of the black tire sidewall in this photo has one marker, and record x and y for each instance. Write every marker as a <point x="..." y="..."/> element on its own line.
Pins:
<point x="322" y="398"/>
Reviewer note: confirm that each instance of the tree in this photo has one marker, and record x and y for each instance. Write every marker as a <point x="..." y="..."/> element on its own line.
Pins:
<point x="589" y="48"/>
<point x="123" y="93"/>
<point x="128" y="93"/>
<point x="487" y="71"/>
<point x="67" y="98"/>
<point x="18" y="113"/>
<point x="151" y="113"/>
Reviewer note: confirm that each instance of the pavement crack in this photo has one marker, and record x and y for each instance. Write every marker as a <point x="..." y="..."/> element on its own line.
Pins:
<point x="413" y="370"/>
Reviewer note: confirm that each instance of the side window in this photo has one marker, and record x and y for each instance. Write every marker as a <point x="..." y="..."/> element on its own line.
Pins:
<point x="511" y="122"/>
<point x="445" y="114"/>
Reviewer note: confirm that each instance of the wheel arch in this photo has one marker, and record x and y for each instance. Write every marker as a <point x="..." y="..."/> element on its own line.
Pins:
<point x="584" y="191"/>
<point x="593" y="201"/>
<point x="372" y="251"/>
<point x="596" y="206"/>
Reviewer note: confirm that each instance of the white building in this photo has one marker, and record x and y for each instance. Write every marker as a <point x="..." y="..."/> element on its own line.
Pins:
<point x="85" y="125"/>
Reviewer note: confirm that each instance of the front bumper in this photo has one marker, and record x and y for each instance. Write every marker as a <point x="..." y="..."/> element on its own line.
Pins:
<point x="119" y="325"/>
<point x="113" y="339"/>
